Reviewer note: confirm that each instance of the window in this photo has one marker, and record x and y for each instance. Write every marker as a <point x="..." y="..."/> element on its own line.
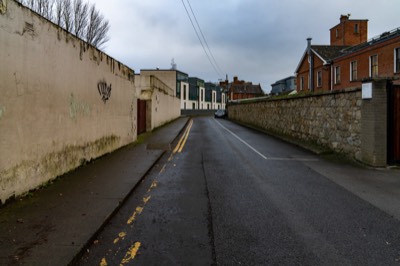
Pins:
<point x="319" y="79"/>
<point x="301" y="83"/>
<point x="397" y="60"/>
<point x="356" y="28"/>
<point x="373" y="69"/>
<point x="184" y="92"/>
<point x="337" y="33"/>
<point x="337" y="75"/>
<point x="353" y="71"/>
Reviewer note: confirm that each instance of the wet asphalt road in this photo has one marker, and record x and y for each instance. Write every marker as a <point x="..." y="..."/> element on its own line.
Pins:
<point x="234" y="196"/>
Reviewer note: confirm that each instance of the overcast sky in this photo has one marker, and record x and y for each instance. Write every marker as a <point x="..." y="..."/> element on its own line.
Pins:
<point x="257" y="40"/>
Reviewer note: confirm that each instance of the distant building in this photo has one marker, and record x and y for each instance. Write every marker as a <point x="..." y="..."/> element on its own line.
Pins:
<point x="286" y="85"/>
<point x="349" y="59"/>
<point x="215" y="98"/>
<point x="239" y="89"/>
<point x="173" y="78"/>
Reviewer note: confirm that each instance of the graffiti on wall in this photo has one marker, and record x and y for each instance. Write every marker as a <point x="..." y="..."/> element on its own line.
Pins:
<point x="104" y="90"/>
<point x="77" y="107"/>
<point x="2" y="110"/>
<point x="3" y="6"/>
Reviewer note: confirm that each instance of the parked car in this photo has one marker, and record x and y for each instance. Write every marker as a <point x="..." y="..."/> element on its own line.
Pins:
<point x="220" y="114"/>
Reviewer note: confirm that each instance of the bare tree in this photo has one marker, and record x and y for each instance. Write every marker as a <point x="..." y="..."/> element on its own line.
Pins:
<point x="67" y="15"/>
<point x="75" y="16"/>
<point x="42" y="7"/>
<point x="58" y="13"/>
<point x="97" y="28"/>
<point x="80" y="18"/>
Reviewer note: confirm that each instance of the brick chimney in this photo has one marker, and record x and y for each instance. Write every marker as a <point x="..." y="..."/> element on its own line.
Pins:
<point x="344" y="18"/>
<point x="349" y="32"/>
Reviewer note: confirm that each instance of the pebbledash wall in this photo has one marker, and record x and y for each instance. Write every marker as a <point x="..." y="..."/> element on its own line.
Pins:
<point x="62" y="102"/>
<point x="331" y="120"/>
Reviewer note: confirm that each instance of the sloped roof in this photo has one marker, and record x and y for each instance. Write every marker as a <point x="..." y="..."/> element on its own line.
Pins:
<point x="245" y="88"/>
<point x="324" y="52"/>
<point x="328" y="52"/>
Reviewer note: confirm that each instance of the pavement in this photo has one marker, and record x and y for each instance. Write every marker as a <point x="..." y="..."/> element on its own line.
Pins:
<point x="55" y="224"/>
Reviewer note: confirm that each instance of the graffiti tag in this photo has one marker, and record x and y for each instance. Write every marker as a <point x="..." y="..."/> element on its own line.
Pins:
<point x="104" y="90"/>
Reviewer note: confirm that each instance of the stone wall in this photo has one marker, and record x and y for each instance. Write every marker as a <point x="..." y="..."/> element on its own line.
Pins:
<point x="331" y="120"/>
<point x="62" y="102"/>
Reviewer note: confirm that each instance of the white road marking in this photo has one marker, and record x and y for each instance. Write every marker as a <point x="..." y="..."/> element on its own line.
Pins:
<point x="262" y="155"/>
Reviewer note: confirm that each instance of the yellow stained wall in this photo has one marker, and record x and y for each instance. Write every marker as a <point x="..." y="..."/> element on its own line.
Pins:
<point x="52" y="116"/>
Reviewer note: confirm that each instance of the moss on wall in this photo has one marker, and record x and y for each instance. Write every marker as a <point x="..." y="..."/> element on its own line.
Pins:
<point x="21" y="178"/>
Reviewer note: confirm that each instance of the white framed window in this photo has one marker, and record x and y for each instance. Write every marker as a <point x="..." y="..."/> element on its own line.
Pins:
<point x="397" y="60"/>
<point x="353" y="71"/>
<point x="319" y="79"/>
<point x="301" y="83"/>
<point x="373" y="66"/>
<point x="337" y="75"/>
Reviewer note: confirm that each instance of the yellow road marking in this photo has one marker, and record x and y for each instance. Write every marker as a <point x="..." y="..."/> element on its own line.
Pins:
<point x="146" y="199"/>
<point x="153" y="185"/>
<point x="183" y="139"/>
<point x="187" y="135"/>
<point x="103" y="262"/>
<point x="163" y="169"/>
<point x="131" y="254"/>
<point x="121" y="236"/>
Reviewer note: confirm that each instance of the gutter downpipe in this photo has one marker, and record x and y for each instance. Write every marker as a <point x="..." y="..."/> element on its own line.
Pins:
<point x="332" y="76"/>
<point x="311" y="63"/>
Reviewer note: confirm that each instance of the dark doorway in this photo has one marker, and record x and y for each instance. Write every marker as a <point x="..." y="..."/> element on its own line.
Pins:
<point x="394" y="124"/>
<point x="141" y="117"/>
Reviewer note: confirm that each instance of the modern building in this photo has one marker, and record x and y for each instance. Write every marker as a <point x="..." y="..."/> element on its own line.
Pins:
<point x="173" y="78"/>
<point x="215" y="99"/>
<point x="350" y="58"/>
<point x="284" y="86"/>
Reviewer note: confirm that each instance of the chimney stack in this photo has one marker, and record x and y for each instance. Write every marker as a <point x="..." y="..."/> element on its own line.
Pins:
<point x="309" y="45"/>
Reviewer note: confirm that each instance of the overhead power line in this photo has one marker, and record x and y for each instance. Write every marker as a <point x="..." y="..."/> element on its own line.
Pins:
<point x="208" y="53"/>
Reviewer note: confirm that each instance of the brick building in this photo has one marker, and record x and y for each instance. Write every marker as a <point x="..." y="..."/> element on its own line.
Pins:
<point x="240" y="89"/>
<point x="349" y="59"/>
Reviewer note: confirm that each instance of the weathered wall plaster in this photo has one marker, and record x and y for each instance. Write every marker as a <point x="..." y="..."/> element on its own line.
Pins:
<point x="63" y="102"/>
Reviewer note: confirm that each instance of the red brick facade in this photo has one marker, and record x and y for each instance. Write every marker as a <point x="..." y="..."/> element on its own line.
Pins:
<point x="346" y="62"/>
<point x="240" y="89"/>
<point x="349" y="32"/>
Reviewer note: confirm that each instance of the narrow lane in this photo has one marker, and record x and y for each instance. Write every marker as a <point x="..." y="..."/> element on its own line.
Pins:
<point x="228" y="195"/>
<point x="286" y="213"/>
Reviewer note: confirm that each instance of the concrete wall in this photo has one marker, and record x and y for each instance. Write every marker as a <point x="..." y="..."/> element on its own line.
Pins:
<point x="331" y="120"/>
<point x="162" y="105"/>
<point x="62" y="102"/>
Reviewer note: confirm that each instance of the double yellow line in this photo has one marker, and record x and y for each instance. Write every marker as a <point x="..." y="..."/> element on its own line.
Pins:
<point x="183" y="139"/>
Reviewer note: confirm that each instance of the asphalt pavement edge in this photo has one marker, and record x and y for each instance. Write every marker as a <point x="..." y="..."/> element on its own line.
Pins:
<point x="125" y="198"/>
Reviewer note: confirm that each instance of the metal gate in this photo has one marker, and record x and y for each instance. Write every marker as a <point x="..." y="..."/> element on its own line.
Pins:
<point x="141" y="117"/>
<point x="394" y="124"/>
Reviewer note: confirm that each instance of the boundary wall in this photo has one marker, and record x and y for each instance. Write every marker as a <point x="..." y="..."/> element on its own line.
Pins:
<point x="331" y="120"/>
<point x="62" y="101"/>
<point x="162" y="105"/>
